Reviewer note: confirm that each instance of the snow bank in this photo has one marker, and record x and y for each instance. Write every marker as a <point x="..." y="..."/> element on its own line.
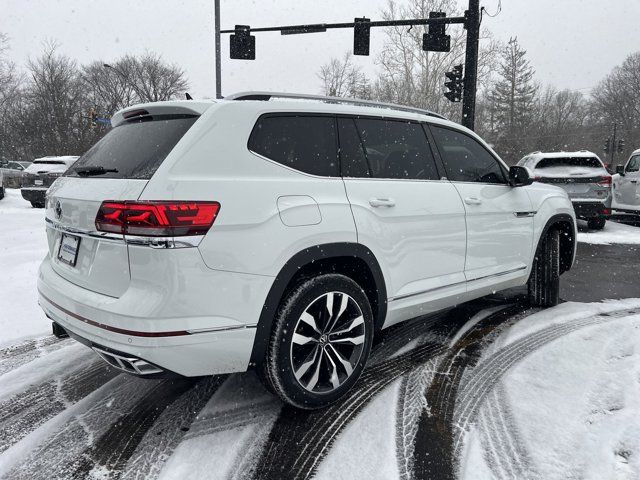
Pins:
<point x="23" y="245"/>
<point x="612" y="232"/>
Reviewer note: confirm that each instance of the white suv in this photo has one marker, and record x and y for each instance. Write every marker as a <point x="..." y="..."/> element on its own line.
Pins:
<point x="200" y="238"/>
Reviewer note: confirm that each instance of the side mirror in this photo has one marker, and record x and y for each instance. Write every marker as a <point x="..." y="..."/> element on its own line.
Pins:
<point x="519" y="176"/>
<point x="620" y="170"/>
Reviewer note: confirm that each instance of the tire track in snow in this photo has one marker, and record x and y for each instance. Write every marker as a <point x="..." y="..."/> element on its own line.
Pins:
<point x="167" y="432"/>
<point x="503" y="449"/>
<point x="26" y="411"/>
<point x="111" y="450"/>
<point x="299" y="440"/>
<point x="15" y="356"/>
<point x="433" y="449"/>
<point x="486" y="375"/>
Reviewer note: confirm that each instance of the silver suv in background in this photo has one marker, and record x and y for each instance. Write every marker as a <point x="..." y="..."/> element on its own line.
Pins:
<point x="39" y="176"/>
<point x="582" y="175"/>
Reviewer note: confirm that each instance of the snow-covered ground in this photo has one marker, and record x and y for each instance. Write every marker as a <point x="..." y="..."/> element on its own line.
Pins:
<point x="569" y="409"/>
<point x="613" y="232"/>
<point x="23" y="245"/>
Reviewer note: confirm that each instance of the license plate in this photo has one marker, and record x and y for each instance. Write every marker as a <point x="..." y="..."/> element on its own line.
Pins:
<point x="68" y="251"/>
<point x="38" y="182"/>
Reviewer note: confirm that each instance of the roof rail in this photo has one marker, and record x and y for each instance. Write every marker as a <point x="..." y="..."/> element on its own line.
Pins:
<point x="266" y="96"/>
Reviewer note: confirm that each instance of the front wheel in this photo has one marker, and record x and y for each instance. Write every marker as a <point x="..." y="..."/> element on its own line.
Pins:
<point x="596" y="223"/>
<point x="320" y="342"/>
<point x="544" y="281"/>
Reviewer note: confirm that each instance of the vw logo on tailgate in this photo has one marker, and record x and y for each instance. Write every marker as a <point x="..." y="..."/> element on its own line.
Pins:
<point x="58" y="210"/>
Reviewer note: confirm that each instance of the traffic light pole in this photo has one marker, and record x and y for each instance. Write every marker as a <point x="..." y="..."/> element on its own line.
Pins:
<point x="216" y="13"/>
<point x="472" y="24"/>
<point x="614" y="145"/>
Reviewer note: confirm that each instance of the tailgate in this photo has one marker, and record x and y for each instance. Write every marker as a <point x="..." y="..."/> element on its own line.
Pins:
<point x="102" y="262"/>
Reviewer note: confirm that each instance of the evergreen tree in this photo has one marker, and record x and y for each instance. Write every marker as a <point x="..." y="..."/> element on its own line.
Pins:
<point x="512" y="101"/>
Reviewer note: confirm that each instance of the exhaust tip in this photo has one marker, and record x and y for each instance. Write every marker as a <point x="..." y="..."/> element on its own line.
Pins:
<point x="128" y="363"/>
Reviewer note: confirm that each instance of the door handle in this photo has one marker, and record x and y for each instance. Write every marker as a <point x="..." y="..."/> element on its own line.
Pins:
<point x="472" y="201"/>
<point x="382" y="202"/>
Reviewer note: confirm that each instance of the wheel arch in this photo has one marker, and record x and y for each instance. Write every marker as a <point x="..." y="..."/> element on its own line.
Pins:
<point x="351" y="259"/>
<point x="568" y="238"/>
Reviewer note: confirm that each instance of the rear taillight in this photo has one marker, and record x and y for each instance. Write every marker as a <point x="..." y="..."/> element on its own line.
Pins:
<point x="156" y="219"/>
<point x="605" y="181"/>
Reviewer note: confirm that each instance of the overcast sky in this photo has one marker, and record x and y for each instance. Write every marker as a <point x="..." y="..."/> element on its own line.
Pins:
<point x="571" y="43"/>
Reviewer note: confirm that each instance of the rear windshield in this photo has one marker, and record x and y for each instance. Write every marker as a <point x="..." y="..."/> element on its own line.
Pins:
<point x="48" y="162"/>
<point x="589" y="162"/>
<point x="136" y="148"/>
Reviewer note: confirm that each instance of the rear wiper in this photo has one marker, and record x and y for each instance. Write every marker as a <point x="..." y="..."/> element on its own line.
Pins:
<point x="94" y="170"/>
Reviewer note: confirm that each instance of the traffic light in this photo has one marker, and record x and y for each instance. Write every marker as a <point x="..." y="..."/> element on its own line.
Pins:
<point x="242" y="44"/>
<point x="436" y="40"/>
<point x="454" y="94"/>
<point x="361" y="36"/>
<point x="620" y="146"/>
<point x="607" y="145"/>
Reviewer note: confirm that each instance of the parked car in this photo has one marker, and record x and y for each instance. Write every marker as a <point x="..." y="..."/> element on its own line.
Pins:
<point x="39" y="176"/>
<point x="626" y="185"/>
<point x="199" y="238"/>
<point x="582" y="175"/>
<point x="12" y="173"/>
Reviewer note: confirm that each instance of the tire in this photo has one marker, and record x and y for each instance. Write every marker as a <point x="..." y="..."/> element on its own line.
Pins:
<point x="596" y="223"/>
<point x="544" y="281"/>
<point x="37" y="205"/>
<point x="318" y="367"/>
<point x="1" y="193"/>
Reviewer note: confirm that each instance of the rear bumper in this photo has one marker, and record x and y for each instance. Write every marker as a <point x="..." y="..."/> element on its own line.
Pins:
<point x="34" y="194"/>
<point x="587" y="210"/>
<point x="191" y="344"/>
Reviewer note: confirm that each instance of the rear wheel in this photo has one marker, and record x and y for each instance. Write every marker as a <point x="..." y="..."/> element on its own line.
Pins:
<point x="320" y="341"/>
<point x="544" y="281"/>
<point x="596" y="223"/>
<point x="37" y="205"/>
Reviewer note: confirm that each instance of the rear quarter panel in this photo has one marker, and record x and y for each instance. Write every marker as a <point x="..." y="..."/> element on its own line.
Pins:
<point x="212" y="162"/>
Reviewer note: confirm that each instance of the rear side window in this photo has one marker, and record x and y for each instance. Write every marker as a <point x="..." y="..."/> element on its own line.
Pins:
<point x="136" y="148"/>
<point x="305" y="143"/>
<point x="588" y="162"/>
<point x="396" y="149"/>
<point x="465" y="159"/>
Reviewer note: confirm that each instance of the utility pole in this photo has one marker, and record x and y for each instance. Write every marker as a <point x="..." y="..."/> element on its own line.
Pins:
<point x="472" y="24"/>
<point x="216" y="13"/>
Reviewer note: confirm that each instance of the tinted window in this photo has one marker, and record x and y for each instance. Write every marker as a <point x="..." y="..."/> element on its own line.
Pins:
<point x="589" y="162"/>
<point x="352" y="156"/>
<point x="138" y="147"/>
<point x="305" y="143"/>
<point x="634" y="164"/>
<point x="465" y="159"/>
<point x="397" y="149"/>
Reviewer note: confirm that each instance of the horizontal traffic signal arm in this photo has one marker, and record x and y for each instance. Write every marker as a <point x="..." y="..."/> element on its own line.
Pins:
<point x="321" y="27"/>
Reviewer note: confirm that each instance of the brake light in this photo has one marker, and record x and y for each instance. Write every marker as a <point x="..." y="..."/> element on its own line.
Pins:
<point x="605" y="181"/>
<point x="156" y="219"/>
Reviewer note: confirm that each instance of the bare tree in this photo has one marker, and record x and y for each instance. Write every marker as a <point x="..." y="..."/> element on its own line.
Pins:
<point x="617" y="99"/>
<point x="10" y="81"/>
<point x="411" y="76"/>
<point x="132" y="80"/>
<point x="341" y="78"/>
